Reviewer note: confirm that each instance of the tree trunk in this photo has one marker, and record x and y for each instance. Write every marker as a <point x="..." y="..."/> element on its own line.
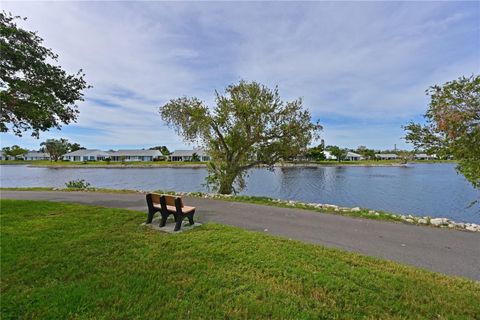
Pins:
<point x="227" y="179"/>
<point x="225" y="188"/>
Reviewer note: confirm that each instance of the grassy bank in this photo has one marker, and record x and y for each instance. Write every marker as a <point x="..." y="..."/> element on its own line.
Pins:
<point x="362" y="213"/>
<point x="100" y="163"/>
<point x="316" y="207"/>
<point x="366" y="163"/>
<point x="72" y="261"/>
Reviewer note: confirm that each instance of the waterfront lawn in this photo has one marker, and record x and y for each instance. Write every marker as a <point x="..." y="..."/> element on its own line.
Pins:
<point x="362" y="213"/>
<point x="63" y="260"/>
<point x="98" y="163"/>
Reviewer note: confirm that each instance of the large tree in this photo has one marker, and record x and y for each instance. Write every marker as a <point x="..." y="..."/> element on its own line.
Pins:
<point x="14" y="151"/>
<point x="56" y="148"/>
<point x="249" y="126"/>
<point x="452" y="125"/>
<point x="35" y="94"/>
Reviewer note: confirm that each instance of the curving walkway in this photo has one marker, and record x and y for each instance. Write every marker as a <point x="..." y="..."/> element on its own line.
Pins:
<point x="442" y="250"/>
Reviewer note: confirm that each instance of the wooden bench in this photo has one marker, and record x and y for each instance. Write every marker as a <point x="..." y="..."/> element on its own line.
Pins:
<point x="167" y="205"/>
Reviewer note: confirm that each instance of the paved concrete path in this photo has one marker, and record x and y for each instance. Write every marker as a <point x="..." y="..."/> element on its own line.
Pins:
<point x="442" y="250"/>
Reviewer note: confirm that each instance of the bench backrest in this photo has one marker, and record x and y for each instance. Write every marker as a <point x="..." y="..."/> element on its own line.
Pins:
<point x="169" y="199"/>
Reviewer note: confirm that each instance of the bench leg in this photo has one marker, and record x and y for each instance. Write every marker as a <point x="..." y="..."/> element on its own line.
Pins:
<point x="150" y="215"/>
<point x="178" y="224"/>
<point x="190" y="218"/>
<point x="163" y="221"/>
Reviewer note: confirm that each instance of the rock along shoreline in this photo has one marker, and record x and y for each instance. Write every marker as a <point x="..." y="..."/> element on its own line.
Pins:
<point x="409" y="219"/>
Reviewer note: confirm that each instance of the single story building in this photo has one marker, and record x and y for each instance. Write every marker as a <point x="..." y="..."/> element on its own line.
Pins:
<point x="352" y="156"/>
<point x="186" y="155"/>
<point x="86" y="155"/>
<point x="35" y="155"/>
<point x="386" y="156"/>
<point x="424" y="156"/>
<point x="136" y="155"/>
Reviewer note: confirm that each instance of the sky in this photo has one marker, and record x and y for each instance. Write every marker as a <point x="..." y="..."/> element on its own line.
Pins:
<point x="361" y="68"/>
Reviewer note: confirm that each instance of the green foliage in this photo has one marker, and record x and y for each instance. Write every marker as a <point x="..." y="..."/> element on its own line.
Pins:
<point x="405" y="156"/>
<point x="62" y="261"/>
<point x="34" y="94"/>
<point x="250" y="125"/>
<point x="77" y="184"/>
<point x="338" y="152"/>
<point x="14" y="151"/>
<point x="74" y="147"/>
<point x="163" y="149"/>
<point x="316" y="153"/>
<point x="195" y="157"/>
<point x="453" y="125"/>
<point x="56" y="147"/>
<point x="368" y="154"/>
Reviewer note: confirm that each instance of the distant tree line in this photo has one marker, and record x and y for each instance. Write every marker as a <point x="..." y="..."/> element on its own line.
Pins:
<point x="317" y="153"/>
<point x="54" y="147"/>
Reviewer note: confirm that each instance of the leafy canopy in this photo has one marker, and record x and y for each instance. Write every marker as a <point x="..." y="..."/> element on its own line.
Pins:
<point x="366" y="153"/>
<point x="249" y="126"/>
<point x="56" y="148"/>
<point x="453" y="125"/>
<point x="163" y="149"/>
<point x="14" y="151"/>
<point x="34" y="94"/>
<point x="74" y="147"/>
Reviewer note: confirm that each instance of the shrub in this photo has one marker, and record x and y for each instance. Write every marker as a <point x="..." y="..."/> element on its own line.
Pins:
<point x="78" y="184"/>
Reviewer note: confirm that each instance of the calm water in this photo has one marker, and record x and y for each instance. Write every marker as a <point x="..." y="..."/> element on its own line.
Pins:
<point x="419" y="189"/>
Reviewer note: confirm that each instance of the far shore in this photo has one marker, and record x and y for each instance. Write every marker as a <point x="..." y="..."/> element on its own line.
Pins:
<point x="196" y="165"/>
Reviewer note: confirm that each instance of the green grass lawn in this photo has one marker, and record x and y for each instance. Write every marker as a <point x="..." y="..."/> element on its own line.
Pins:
<point x="99" y="163"/>
<point x="63" y="261"/>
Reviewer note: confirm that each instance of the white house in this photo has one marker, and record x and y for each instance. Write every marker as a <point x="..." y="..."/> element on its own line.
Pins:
<point x="329" y="155"/>
<point x="352" y="156"/>
<point x="186" y="155"/>
<point x="86" y="155"/>
<point x="424" y="156"/>
<point x="35" y="155"/>
<point x="386" y="156"/>
<point x="135" y="155"/>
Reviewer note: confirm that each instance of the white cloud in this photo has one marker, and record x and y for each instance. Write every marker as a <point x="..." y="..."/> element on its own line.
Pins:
<point x="368" y="61"/>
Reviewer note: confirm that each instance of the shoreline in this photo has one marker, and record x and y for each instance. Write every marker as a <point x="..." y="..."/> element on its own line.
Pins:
<point x="120" y="166"/>
<point x="197" y="165"/>
<point x="337" y="164"/>
<point x="203" y="165"/>
<point x="357" y="212"/>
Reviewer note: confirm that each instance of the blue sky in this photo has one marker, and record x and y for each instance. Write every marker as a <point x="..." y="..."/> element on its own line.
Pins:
<point x="361" y="67"/>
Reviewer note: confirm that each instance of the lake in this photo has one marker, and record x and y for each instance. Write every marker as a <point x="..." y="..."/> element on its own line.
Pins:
<point x="418" y="189"/>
